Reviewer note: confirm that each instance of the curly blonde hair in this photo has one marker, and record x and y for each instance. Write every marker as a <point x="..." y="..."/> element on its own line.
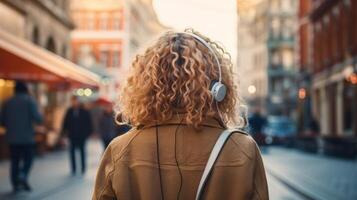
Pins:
<point x="173" y="76"/>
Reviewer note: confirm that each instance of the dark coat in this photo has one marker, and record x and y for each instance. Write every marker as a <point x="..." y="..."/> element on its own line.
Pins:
<point x="109" y="129"/>
<point x="256" y="123"/>
<point x="107" y="126"/>
<point x="77" y="124"/>
<point x="18" y="116"/>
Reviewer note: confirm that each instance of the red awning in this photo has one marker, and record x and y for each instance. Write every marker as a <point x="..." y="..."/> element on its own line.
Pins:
<point x="20" y="59"/>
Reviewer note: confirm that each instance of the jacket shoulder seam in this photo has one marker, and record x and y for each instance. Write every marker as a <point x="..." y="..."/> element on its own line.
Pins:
<point x="122" y="151"/>
<point x="243" y="150"/>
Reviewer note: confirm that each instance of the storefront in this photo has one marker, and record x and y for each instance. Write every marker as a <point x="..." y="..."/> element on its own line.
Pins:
<point x="49" y="77"/>
<point x="334" y="100"/>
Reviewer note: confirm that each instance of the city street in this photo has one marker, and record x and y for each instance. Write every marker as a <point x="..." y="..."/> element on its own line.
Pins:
<point x="51" y="180"/>
<point x="314" y="176"/>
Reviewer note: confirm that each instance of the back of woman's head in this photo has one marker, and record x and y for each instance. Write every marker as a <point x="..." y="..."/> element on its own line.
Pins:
<point x="21" y="88"/>
<point x="174" y="76"/>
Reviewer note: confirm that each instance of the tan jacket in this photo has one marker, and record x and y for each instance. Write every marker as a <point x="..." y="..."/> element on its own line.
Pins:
<point x="129" y="168"/>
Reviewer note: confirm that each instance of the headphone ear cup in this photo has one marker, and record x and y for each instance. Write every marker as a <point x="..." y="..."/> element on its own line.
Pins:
<point x="219" y="91"/>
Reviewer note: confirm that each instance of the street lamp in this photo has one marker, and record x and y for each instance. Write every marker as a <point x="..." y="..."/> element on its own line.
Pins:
<point x="302" y="93"/>
<point x="352" y="78"/>
<point x="252" y="89"/>
<point x="2" y="82"/>
<point x="87" y="92"/>
<point x="80" y="92"/>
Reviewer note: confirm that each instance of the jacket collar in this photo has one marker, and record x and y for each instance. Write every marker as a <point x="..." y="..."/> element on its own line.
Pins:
<point x="214" y="122"/>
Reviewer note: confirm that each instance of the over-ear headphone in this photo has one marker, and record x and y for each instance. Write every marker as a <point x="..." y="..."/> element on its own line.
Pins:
<point x="217" y="88"/>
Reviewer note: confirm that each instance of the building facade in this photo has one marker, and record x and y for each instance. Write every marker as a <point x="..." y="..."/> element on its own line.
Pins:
<point x="282" y="89"/>
<point x="34" y="48"/>
<point x="28" y="22"/>
<point x="143" y="25"/>
<point x="334" y="66"/>
<point x="252" y="52"/>
<point x="107" y="35"/>
<point x="99" y="39"/>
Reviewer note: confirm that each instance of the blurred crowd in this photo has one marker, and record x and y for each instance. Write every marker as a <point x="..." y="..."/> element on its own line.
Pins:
<point x="20" y="112"/>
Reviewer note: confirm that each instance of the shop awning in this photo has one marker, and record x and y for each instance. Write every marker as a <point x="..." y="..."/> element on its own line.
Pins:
<point x="20" y="59"/>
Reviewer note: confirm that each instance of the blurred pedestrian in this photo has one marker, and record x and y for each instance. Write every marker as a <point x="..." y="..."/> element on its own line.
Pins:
<point x="178" y="107"/>
<point x="256" y="124"/>
<point x="77" y="125"/>
<point x="122" y="128"/>
<point x="18" y="116"/>
<point x="107" y="127"/>
<point x="314" y="126"/>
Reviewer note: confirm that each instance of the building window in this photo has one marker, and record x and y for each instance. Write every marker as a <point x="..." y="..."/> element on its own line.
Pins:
<point x="35" y="36"/>
<point x="336" y="11"/>
<point x="274" y="6"/>
<point x="277" y="85"/>
<point x="286" y="5"/>
<point x="76" y="18"/>
<point x="318" y="27"/>
<point x="286" y="33"/>
<point x="349" y="116"/>
<point x="347" y="2"/>
<point x="104" y="58"/>
<point x="50" y="45"/>
<point x="90" y="21"/>
<point x="103" y="21"/>
<point x="275" y="25"/>
<point x="286" y="83"/>
<point x="79" y="20"/>
<point x="117" y="21"/>
<point x="275" y="58"/>
<point x="287" y="58"/>
<point x="64" y="51"/>
<point x="287" y="30"/>
<point x="116" y="58"/>
<point x="326" y="19"/>
<point x="54" y="2"/>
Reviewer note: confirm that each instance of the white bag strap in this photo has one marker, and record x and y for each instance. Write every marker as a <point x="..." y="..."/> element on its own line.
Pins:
<point x="212" y="159"/>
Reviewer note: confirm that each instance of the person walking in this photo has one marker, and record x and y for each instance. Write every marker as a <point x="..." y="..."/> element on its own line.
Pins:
<point x="122" y="128"/>
<point x="181" y="99"/>
<point x="256" y="124"/>
<point x="77" y="125"/>
<point x="107" y="127"/>
<point x="18" y="116"/>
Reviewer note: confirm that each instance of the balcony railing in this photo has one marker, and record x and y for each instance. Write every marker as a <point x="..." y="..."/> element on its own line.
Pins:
<point x="277" y="41"/>
<point x="279" y="70"/>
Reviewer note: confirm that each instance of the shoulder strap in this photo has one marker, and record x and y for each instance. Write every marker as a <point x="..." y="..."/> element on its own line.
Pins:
<point x="212" y="159"/>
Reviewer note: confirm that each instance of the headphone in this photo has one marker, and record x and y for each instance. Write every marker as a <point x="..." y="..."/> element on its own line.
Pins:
<point x="217" y="88"/>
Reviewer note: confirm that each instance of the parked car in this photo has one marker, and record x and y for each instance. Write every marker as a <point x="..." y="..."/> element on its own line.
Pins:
<point x="280" y="130"/>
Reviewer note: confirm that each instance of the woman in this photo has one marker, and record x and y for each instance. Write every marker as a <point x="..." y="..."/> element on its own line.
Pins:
<point x="177" y="118"/>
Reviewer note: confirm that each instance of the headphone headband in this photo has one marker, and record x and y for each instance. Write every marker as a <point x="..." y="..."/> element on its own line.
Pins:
<point x="200" y="39"/>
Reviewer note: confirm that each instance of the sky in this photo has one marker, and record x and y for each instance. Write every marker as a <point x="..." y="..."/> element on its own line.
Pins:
<point x="214" y="18"/>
